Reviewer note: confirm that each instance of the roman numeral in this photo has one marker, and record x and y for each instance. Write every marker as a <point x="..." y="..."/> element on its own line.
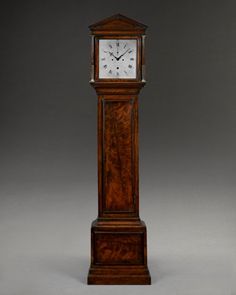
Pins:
<point x="105" y="66"/>
<point x="131" y="58"/>
<point x="130" y="51"/>
<point x="130" y="66"/>
<point x="103" y="58"/>
<point x="110" y="46"/>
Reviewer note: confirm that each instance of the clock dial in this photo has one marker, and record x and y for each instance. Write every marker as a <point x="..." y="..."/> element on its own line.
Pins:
<point x="117" y="58"/>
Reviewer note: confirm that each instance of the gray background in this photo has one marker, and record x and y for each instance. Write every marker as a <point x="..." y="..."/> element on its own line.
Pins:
<point x="48" y="181"/>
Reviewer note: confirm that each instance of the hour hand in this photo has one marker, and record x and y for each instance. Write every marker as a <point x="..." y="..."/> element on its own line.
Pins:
<point x="111" y="54"/>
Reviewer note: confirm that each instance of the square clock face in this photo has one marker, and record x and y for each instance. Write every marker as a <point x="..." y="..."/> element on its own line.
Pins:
<point x="117" y="58"/>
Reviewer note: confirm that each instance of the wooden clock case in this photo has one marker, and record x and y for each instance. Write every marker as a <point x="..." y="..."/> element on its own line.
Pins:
<point x="118" y="236"/>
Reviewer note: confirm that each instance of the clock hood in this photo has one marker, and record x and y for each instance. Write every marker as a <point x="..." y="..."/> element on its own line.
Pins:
<point x="118" y="24"/>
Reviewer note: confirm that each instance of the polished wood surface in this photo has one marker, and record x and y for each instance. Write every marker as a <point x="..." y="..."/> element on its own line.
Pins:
<point x="118" y="236"/>
<point x="117" y="169"/>
<point x="117" y="155"/>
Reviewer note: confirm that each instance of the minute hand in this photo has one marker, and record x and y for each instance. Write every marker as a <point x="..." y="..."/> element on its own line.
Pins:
<point x="123" y="54"/>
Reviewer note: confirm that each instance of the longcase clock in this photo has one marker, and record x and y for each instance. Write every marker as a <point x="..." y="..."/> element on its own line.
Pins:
<point x="118" y="236"/>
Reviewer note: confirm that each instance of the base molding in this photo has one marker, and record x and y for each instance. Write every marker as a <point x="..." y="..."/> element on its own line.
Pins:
<point x="119" y="276"/>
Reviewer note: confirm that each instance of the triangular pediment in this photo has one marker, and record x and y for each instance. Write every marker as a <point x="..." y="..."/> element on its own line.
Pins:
<point x="118" y="23"/>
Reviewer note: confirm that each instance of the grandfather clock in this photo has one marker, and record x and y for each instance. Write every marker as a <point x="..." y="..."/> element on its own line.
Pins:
<point x="118" y="236"/>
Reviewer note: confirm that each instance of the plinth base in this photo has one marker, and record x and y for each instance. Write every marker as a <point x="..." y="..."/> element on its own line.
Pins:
<point x="119" y="276"/>
<point x="119" y="253"/>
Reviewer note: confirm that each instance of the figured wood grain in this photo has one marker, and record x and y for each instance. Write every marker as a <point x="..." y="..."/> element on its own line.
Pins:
<point x="119" y="248"/>
<point x="117" y="155"/>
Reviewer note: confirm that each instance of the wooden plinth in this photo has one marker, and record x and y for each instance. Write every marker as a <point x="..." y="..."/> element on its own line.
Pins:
<point x="118" y="253"/>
